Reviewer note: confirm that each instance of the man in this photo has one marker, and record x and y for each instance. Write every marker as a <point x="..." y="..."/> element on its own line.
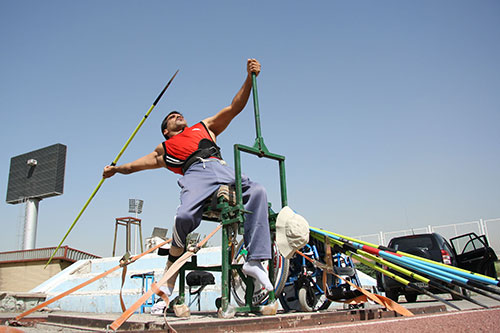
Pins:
<point x="192" y="152"/>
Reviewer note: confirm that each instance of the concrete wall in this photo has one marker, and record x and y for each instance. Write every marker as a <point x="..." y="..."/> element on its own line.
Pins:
<point x="24" y="276"/>
<point x="19" y="302"/>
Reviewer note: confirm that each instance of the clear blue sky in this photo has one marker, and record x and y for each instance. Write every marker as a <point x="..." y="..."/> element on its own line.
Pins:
<point x="388" y="112"/>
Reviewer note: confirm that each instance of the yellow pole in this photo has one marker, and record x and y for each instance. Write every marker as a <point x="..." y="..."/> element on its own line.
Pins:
<point x="113" y="163"/>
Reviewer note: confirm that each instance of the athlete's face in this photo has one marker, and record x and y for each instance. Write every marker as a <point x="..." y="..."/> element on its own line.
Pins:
<point x="175" y="124"/>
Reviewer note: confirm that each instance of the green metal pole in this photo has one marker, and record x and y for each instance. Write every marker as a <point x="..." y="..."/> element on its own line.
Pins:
<point x="256" y="107"/>
<point x="225" y="270"/>
<point x="182" y="286"/>
<point x="112" y="163"/>
<point x="237" y="171"/>
<point x="284" y="198"/>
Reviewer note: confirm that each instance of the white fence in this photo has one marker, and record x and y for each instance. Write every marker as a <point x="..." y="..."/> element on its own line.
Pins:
<point x="490" y="228"/>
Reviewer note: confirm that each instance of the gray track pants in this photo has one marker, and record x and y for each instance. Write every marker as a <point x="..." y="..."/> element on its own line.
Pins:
<point x="204" y="178"/>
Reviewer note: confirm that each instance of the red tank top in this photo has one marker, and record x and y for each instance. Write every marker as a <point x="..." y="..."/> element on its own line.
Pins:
<point x="179" y="147"/>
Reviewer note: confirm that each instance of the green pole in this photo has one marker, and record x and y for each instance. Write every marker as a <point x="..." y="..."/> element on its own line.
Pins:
<point x="256" y="107"/>
<point x="113" y="164"/>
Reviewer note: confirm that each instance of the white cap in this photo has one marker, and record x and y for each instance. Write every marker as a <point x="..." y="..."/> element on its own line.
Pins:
<point x="292" y="232"/>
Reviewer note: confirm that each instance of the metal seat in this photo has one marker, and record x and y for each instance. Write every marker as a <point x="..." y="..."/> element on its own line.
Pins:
<point x="212" y="208"/>
<point x="199" y="280"/>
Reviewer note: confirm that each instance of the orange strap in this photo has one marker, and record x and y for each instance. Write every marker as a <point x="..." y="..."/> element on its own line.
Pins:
<point x="382" y="300"/>
<point x="168" y="274"/>
<point x="329" y="264"/>
<point x="160" y="293"/>
<point x="356" y="300"/>
<point x="124" y="275"/>
<point x="86" y="283"/>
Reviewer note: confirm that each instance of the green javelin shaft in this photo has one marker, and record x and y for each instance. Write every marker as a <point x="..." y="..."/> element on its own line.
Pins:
<point x="113" y="164"/>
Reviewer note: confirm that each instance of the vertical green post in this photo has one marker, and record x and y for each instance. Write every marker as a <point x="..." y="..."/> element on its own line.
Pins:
<point x="284" y="199"/>
<point x="256" y="107"/>
<point x="259" y="149"/>
<point x="182" y="286"/>
<point x="225" y="270"/>
<point x="237" y="171"/>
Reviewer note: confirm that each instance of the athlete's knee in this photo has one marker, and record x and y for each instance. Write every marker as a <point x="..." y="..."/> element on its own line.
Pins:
<point x="184" y="224"/>
<point x="172" y="258"/>
<point x="184" y="220"/>
<point x="176" y="251"/>
<point x="258" y="190"/>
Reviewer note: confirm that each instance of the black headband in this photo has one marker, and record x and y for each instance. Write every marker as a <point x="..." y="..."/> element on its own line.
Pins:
<point x="165" y="121"/>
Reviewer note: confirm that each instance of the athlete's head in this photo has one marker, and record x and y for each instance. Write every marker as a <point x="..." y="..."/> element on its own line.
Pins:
<point x="173" y="123"/>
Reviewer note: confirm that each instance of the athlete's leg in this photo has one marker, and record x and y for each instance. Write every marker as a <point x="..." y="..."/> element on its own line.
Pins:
<point x="197" y="185"/>
<point x="257" y="233"/>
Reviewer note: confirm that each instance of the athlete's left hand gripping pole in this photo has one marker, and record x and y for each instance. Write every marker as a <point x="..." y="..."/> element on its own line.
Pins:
<point x="113" y="163"/>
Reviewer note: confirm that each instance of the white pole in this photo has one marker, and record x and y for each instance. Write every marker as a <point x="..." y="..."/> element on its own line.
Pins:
<point x="481" y="227"/>
<point x="135" y="234"/>
<point x="30" y="223"/>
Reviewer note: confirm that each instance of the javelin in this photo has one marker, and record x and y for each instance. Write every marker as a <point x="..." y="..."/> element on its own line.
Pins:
<point x="113" y="164"/>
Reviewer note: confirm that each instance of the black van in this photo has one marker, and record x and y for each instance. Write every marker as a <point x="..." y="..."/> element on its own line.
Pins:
<point x="475" y="255"/>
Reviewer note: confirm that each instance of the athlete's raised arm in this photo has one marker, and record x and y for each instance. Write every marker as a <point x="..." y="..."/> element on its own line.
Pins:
<point x="219" y="122"/>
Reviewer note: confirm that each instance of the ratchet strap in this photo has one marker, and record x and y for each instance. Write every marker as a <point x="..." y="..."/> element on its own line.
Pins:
<point x="86" y="283"/>
<point x="172" y="270"/>
<point x="384" y="301"/>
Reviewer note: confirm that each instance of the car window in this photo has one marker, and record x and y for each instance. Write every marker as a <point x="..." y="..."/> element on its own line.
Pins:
<point x="468" y="243"/>
<point x="472" y="245"/>
<point x="460" y="243"/>
<point x="403" y="244"/>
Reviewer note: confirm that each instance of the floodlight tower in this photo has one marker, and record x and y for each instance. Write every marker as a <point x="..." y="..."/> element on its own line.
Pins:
<point x="34" y="176"/>
<point x="135" y="206"/>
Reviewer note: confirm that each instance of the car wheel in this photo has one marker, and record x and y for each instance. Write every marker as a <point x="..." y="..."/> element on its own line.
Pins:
<point x="411" y="298"/>
<point x="392" y="294"/>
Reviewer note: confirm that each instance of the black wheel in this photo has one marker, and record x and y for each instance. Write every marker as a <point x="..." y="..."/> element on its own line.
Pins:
<point x="311" y="300"/>
<point x="392" y="294"/>
<point x="218" y="302"/>
<point x="289" y="299"/>
<point x="323" y="303"/>
<point x="307" y="299"/>
<point x="411" y="298"/>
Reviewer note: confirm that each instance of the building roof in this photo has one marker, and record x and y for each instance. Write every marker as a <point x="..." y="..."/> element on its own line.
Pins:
<point x="64" y="253"/>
